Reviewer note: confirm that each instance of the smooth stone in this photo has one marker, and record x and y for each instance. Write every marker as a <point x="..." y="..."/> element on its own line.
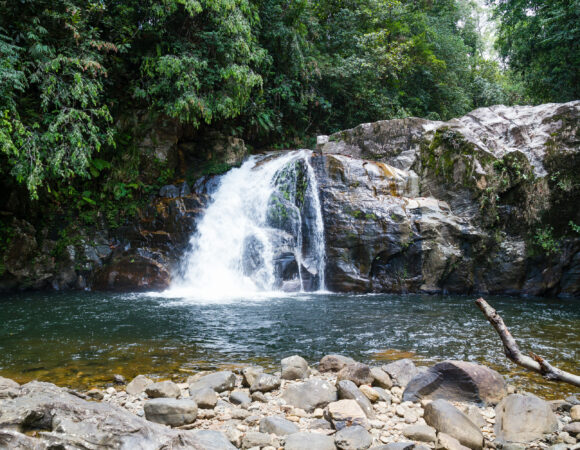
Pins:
<point x="575" y="413"/>
<point x="320" y="424"/>
<point x="334" y="363"/>
<point x="295" y="368"/>
<point x="446" y="418"/>
<point x="423" y="433"/>
<point x="384" y="395"/>
<point x="523" y="418"/>
<point x="240" y="414"/>
<point x="119" y="379"/>
<point x="345" y="413"/>
<point x="138" y="385"/>
<point x="381" y="378"/>
<point x="357" y="373"/>
<point x="573" y="428"/>
<point x="446" y="442"/>
<point x="163" y="389"/>
<point x="311" y="441"/>
<point x="401" y="371"/>
<point x="256" y="439"/>
<point x="265" y="383"/>
<point x="348" y="390"/>
<point x="240" y="398"/>
<point x="310" y="394"/>
<point x="370" y="393"/>
<point x="205" y="398"/>
<point x="457" y="381"/>
<point x="8" y="388"/>
<point x="474" y="415"/>
<point x="353" y="438"/>
<point x="249" y="374"/>
<point x="259" y="397"/>
<point x="218" y="381"/>
<point x="170" y="411"/>
<point x="278" y="426"/>
<point x="212" y="440"/>
<point x="573" y="400"/>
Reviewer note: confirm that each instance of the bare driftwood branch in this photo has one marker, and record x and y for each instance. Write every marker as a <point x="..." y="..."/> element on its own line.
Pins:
<point x="533" y="362"/>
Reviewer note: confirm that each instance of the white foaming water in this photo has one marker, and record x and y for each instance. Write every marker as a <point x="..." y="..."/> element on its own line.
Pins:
<point x="236" y="251"/>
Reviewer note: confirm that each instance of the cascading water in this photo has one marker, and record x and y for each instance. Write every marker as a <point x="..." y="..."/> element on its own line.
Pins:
<point x="262" y="232"/>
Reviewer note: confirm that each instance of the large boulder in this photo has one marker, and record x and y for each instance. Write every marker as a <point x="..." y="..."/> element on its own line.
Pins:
<point x="138" y="385"/>
<point x="295" y="368"/>
<point x="401" y="371"/>
<point x="357" y="373"/>
<point x="311" y="441"/>
<point x="345" y="413"/>
<point x="278" y="426"/>
<point x="347" y="390"/>
<point x="353" y="438"/>
<point x="334" y="363"/>
<point x="310" y="394"/>
<point x="163" y="389"/>
<point x="457" y="381"/>
<point x="265" y="383"/>
<point x="446" y="418"/>
<point x="218" y="381"/>
<point x="63" y="420"/>
<point x="170" y="411"/>
<point x="205" y="398"/>
<point x="8" y="388"/>
<point x="523" y="418"/>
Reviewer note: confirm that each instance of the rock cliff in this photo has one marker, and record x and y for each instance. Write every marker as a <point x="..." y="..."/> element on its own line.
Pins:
<point x="484" y="203"/>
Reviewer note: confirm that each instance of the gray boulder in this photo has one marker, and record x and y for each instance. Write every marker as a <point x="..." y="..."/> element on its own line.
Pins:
<point x="278" y="426"/>
<point x="169" y="191"/>
<point x="163" y="389"/>
<point x="348" y="390"/>
<point x="334" y="363"/>
<point x="353" y="438"/>
<point x="295" y="368"/>
<point x="265" y="383"/>
<point x="211" y="440"/>
<point x="205" y="398"/>
<point x="357" y="373"/>
<point x="381" y="378"/>
<point x="446" y="418"/>
<point x="523" y="418"/>
<point x="8" y="388"/>
<point x="240" y="398"/>
<point x="219" y="382"/>
<point x="457" y="381"/>
<point x="401" y="371"/>
<point x="170" y="411"/>
<point x="345" y="413"/>
<point x="256" y="439"/>
<point x="310" y="395"/>
<point x="138" y="385"/>
<point x="310" y="441"/>
<point x="64" y="420"/>
<point x="446" y="442"/>
<point x="423" y="433"/>
<point x="249" y="374"/>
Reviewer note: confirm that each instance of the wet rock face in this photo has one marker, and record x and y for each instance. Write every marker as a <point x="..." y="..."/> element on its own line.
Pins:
<point x="418" y="206"/>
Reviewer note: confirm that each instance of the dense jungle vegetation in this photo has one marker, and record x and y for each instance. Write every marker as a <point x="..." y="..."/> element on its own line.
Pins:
<point x="273" y="72"/>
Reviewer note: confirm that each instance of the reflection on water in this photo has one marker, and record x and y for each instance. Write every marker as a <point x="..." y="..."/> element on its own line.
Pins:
<point x="82" y="339"/>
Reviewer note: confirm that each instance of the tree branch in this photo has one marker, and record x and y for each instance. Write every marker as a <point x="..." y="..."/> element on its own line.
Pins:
<point x="533" y="362"/>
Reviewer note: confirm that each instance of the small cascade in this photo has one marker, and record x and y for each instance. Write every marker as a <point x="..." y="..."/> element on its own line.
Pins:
<point x="262" y="232"/>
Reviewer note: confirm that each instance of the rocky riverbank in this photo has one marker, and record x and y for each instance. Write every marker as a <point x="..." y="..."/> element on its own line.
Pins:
<point x="340" y="404"/>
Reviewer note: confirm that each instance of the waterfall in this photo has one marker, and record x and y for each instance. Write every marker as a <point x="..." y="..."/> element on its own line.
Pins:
<point x="262" y="232"/>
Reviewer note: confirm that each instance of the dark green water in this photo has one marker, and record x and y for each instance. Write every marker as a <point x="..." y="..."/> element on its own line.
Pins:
<point x="82" y="339"/>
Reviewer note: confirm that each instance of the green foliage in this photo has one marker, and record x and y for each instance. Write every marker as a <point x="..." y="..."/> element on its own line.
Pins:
<point x="544" y="238"/>
<point x="540" y="40"/>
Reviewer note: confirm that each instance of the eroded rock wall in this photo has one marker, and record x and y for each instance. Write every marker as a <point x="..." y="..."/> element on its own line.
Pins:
<point x="418" y="206"/>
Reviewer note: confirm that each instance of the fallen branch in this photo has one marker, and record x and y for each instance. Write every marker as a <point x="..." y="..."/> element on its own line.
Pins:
<point x="533" y="362"/>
